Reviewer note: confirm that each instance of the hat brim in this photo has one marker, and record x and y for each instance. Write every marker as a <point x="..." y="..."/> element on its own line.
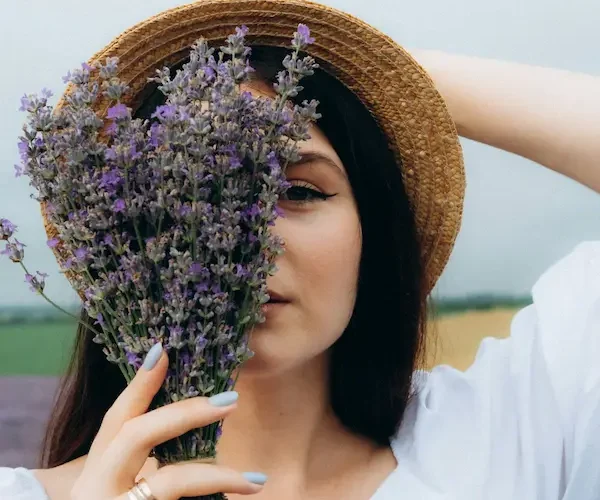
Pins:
<point x="391" y="84"/>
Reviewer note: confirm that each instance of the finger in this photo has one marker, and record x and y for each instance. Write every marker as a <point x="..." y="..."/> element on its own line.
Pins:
<point x="129" y="450"/>
<point x="150" y="467"/>
<point x="133" y="401"/>
<point x="190" y="480"/>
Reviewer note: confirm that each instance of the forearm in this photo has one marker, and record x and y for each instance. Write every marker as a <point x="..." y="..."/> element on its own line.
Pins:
<point x="549" y="116"/>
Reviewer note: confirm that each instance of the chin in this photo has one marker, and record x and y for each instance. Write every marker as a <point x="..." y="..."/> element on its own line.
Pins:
<point x="259" y="367"/>
<point x="268" y="360"/>
<point x="276" y="355"/>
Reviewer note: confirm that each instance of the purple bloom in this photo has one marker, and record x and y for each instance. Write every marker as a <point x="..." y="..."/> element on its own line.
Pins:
<point x="110" y="153"/>
<point x="100" y="319"/>
<point x="23" y="146"/>
<point x="14" y="250"/>
<point x="155" y="130"/>
<point x="119" y="206"/>
<point x="118" y="112"/>
<point x="7" y="229"/>
<point x="209" y="72"/>
<point x="234" y="162"/>
<point x="185" y="210"/>
<point x="19" y="170"/>
<point x="29" y="278"/>
<point x="25" y="102"/>
<point x="133" y="359"/>
<point x="110" y="180"/>
<point x="254" y="210"/>
<point x="272" y="161"/>
<point x="134" y="154"/>
<point x="165" y="112"/>
<point x="52" y="243"/>
<point x="304" y="35"/>
<point x="201" y="343"/>
<point x="36" y="284"/>
<point x="81" y="254"/>
<point x="197" y="268"/>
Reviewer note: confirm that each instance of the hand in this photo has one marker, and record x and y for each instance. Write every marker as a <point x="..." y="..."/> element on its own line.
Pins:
<point x="128" y="433"/>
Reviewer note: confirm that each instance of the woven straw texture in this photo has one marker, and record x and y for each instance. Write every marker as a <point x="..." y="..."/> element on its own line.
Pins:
<point x="392" y="85"/>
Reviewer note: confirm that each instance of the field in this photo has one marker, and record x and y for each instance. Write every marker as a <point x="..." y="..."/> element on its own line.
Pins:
<point x="43" y="348"/>
<point x="35" y="348"/>
<point x="454" y="338"/>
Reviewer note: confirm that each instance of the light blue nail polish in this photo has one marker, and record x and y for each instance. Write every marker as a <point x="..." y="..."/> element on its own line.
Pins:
<point x="255" y="477"/>
<point x="153" y="356"/>
<point x="224" y="399"/>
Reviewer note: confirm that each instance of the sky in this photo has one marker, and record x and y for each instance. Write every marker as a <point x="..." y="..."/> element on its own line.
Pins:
<point x="519" y="217"/>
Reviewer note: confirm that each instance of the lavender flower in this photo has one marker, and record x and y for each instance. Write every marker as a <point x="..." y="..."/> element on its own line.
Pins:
<point x="7" y="228"/>
<point x="15" y="250"/>
<point x="302" y="37"/>
<point x="36" y="283"/>
<point x="118" y="112"/>
<point x="164" y="227"/>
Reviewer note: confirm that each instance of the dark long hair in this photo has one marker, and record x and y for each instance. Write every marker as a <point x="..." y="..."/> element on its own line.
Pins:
<point x="373" y="361"/>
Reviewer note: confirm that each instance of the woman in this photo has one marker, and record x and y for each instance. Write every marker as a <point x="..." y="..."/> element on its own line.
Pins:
<point x="325" y="411"/>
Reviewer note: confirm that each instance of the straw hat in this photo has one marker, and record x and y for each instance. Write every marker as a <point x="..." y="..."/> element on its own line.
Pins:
<point x="392" y="85"/>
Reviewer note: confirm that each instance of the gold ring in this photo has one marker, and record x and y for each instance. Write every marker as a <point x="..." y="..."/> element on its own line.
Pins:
<point x="140" y="491"/>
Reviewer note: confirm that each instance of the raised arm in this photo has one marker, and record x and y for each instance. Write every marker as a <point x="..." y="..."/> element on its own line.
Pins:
<point x="547" y="115"/>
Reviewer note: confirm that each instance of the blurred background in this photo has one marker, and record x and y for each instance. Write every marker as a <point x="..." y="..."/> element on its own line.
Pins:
<point x="519" y="217"/>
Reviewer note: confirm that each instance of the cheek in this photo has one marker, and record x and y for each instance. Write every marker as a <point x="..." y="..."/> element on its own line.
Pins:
<point x="323" y="254"/>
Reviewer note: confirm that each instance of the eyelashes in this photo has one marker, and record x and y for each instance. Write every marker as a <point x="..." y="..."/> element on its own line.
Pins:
<point x="303" y="192"/>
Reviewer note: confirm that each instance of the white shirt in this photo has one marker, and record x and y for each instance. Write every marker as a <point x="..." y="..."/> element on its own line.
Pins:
<point x="523" y="422"/>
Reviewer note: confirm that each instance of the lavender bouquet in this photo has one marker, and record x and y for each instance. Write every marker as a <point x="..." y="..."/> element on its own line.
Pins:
<point x="163" y="225"/>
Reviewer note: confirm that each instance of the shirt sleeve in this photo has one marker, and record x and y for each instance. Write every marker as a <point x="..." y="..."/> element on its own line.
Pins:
<point x="20" y="484"/>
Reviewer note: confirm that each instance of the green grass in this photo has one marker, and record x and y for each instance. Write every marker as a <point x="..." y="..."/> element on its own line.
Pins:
<point x="478" y="303"/>
<point x="35" y="348"/>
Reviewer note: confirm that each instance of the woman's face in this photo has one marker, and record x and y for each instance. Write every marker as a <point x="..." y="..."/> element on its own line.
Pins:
<point x="318" y="272"/>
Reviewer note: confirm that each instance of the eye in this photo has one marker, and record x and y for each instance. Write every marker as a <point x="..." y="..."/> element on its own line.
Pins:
<point x="302" y="192"/>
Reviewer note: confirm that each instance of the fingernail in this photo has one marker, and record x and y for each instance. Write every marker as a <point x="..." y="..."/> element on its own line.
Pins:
<point x="255" y="477"/>
<point x="224" y="399"/>
<point x="153" y="356"/>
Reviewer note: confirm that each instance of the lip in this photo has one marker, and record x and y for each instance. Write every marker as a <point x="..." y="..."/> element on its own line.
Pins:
<point x="275" y="303"/>
<point x="276" y="298"/>
<point x="269" y="307"/>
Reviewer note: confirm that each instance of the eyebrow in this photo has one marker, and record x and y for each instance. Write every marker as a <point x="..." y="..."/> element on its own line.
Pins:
<point x="315" y="156"/>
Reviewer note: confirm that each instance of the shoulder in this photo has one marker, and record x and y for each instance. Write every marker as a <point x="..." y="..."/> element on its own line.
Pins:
<point x="529" y="406"/>
<point x="20" y="484"/>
